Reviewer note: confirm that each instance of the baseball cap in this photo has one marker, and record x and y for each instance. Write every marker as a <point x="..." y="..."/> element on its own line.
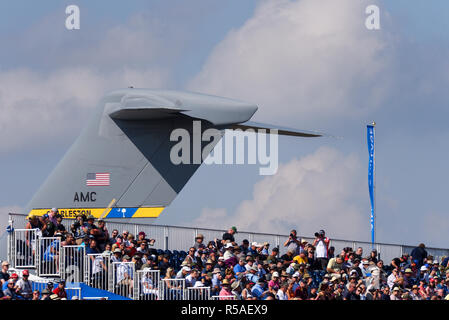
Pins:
<point x="25" y="272"/>
<point x="54" y="209"/>
<point x="408" y="270"/>
<point x="275" y="274"/>
<point x="234" y="228"/>
<point x="186" y="269"/>
<point x="423" y="268"/>
<point x="14" y="276"/>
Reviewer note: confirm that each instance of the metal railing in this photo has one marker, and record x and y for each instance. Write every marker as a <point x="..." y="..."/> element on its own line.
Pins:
<point x="198" y="293"/>
<point x="148" y="285"/>
<point x="23" y="248"/>
<point x="180" y="238"/>
<point x="72" y="263"/>
<point x="48" y="257"/>
<point x="123" y="280"/>
<point x="173" y="289"/>
<point x="96" y="271"/>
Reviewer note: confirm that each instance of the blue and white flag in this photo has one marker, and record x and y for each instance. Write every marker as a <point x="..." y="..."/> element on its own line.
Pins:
<point x="371" y="165"/>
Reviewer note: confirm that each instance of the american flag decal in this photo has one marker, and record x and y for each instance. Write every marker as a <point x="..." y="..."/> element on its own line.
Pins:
<point x="98" y="179"/>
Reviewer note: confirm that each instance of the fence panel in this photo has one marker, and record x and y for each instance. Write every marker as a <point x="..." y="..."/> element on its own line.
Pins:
<point x="388" y="252"/>
<point x="149" y="285"/>
<point x="124" y="278"/>
<point x="72" y="263"/>
<point x="49" y="257"/>
<point x="73" y="293"/>
<point x="180" y="238"/>
<point x="24" y="247"/>
<point x="198" y="293"/>
<point x="173" y="289"/>
<point x="96" y="271"/>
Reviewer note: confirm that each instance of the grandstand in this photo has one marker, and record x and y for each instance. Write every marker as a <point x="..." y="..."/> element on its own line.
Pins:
<point x="101" y="276"/>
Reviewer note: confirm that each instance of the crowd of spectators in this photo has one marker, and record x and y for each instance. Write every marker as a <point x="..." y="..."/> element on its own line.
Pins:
<point x="255" y="271"/>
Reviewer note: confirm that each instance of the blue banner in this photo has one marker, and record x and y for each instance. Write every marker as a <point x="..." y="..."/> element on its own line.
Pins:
<point x="370" y="136"/>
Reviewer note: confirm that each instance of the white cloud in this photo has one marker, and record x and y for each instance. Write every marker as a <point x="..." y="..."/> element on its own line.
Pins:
<point x="302" y="60"/>
<point x="318" y="191"/>
<point x="36" y="107"/>
<point x="41" y="106"/>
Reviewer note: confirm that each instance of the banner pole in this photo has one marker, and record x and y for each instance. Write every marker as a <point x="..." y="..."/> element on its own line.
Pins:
<point x="374" y="182"/>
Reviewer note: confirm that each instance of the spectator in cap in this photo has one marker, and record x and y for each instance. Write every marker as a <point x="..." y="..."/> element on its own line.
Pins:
<point x="245" y="246"/>
<point x="282" y="292"/>
<point x="409" y="281"/>
<point x="239" y="268"/>
<point x="14" y="278"/>
<point x="60" y="290"/>
<point x="335" y="265"/>
<point x="199" y="239"/>
<point x="259" y="288"/>
<point x="418" y="255"/>
<point x="396" y="294"/>
<point x="9" y="293"/>
<point x="46" y="294"/>
<point x="378" y="275"/>
<point x="79" y="228"/>
<point x="292" y="243"/>
<point x="321" y="243"/>
<point x="301" y="258"/>
<point x="274" y="282"/>
<point x="25" y="286"/>
<point x="225" y="293"/>
<point x="385" y="295"/>
<point x="287" y="258"/>
<point x="265" y="249"/>
<point x="229" y="235"/>
<point x="52" y="215"/>
<point x="246" y="292"/>
<point x="273" y="257"/>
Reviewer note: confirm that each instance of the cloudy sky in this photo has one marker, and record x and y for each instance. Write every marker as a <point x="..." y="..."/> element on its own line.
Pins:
<point x="307" y="64"/>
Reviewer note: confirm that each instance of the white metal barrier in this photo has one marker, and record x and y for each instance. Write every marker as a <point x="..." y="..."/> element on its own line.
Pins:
<point x="73" y="293"/>
<point x="123" y="279"/>
<point x="180" y="238"/>
<point x="72" y="263"/>
<point x="223" y="298"/>
<point x="23" y="248"/>
<point x="48" y="257"/>
<point x="173" y="289"/>
<point x="149" y="287"/>
<point x="198" y="293"/>
<point x="96" y="271"/>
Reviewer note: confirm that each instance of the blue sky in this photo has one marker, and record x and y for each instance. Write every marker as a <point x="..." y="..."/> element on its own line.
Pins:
<point x="336" y="82"/>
